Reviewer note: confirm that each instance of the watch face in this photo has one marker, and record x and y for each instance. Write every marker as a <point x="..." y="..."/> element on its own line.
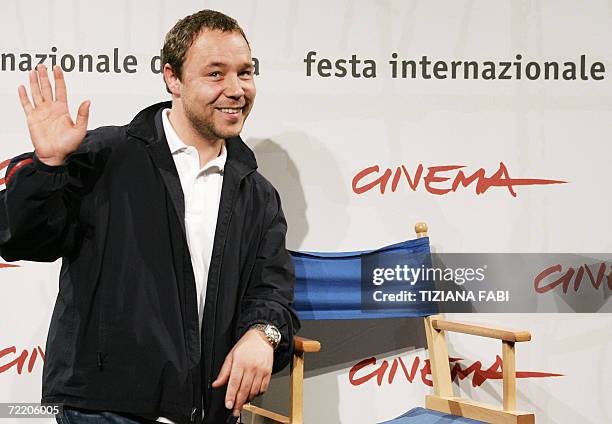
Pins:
<point x="273" y="333"/>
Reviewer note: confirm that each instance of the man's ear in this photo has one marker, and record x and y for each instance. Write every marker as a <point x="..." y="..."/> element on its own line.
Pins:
<point x="173" y="84"/>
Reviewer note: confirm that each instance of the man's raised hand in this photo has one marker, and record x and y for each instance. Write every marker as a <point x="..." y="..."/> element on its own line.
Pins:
<point x="53" y="133"/>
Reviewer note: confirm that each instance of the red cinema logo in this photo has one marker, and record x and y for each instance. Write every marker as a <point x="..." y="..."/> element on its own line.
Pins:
<point x="440" y="180"/>
<point x="10" y="360"/>
<point x="596" y="275"/>
<point x="367" y="370"/>
<point x="14" y="169"/>
<point x="2" y="166"/>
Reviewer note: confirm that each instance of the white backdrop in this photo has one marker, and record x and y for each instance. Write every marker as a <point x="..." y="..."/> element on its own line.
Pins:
<point x="313" y="134"/>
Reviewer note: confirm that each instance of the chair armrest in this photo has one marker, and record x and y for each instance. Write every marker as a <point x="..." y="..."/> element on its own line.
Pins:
<point x="483" y="331"/>
<point x="302" y="344"/>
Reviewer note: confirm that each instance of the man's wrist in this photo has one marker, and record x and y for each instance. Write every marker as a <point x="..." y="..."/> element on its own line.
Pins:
<point x="271" y="334"/>
<point x="52" y="162"/>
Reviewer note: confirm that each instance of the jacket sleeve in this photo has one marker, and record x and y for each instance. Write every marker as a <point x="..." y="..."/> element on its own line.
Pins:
<point x="269" y="296"/>
<point x="37" y="211"/>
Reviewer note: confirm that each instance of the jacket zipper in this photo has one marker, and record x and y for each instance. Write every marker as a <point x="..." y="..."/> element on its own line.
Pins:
<point x="218" y="276"/>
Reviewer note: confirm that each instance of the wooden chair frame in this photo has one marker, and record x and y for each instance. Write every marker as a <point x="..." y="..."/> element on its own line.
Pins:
<point x="443" y="399"/>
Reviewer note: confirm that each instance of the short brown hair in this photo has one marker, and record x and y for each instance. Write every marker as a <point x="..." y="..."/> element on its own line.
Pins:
<point x="184" y="32"/>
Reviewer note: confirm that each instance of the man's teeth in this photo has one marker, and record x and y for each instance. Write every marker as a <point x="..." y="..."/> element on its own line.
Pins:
<point x="228" y="110"/>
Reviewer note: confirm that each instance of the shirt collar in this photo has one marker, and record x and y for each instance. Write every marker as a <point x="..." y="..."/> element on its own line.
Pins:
<point x="177" y="145"/>
<point x="219" y="161"/>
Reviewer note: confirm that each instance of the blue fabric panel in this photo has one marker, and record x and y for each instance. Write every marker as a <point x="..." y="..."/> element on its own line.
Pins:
<point x="328" y="285"/>
<point x="427" y="416"/>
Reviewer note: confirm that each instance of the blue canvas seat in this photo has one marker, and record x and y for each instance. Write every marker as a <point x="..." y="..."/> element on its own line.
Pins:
<point x="427" y="416"/>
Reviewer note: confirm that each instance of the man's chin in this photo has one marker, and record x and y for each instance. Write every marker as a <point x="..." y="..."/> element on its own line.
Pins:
<point x="219" y="133"/>
<point x="226" y="135"/>
<point x="224" y="132"/>
<point x="215" y="129"/>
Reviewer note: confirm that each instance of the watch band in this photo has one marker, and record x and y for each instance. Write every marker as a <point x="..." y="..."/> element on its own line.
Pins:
<point x="271" y="333"/>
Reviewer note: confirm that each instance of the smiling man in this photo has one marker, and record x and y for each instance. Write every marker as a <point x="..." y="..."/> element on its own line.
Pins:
<point x="176" y="288"/>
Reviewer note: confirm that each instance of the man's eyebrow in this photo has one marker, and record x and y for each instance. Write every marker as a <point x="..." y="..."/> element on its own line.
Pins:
<point x="215" y="65"/>
<point x="224" y="64"/>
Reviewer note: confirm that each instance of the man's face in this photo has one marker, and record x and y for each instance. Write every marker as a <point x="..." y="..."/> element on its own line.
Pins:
<point x="217" y="87"/>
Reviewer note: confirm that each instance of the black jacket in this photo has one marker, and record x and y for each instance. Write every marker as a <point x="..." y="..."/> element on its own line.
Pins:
<point x="124" y="333"/>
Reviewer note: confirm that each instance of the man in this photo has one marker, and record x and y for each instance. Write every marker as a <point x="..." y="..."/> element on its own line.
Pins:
<point x="176" y="287"/>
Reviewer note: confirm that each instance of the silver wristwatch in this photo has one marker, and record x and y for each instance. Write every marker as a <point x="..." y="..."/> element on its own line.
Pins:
<point x="273" y="336"/>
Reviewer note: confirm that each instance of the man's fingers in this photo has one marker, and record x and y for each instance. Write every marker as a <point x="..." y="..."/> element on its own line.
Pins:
<point x="45" y="85"/>
<point x="35" y="88"/>
<point x="224" y="373"/>
<point x="243" y="392"/>
<point x="233" y="386"/>
<point x="255" y="387"/>
<point x="265" y="383"/>
<point x="60" y="84"/>
<point x="83" y="114"/>
<point x="25" y="101"/>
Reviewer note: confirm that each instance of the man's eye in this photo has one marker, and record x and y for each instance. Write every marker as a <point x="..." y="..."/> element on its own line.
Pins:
<point x="215" y="74"/>
<point x="247" y="73"/>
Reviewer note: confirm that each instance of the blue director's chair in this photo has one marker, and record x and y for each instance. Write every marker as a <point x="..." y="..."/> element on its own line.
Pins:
<point x="329" y="286"/>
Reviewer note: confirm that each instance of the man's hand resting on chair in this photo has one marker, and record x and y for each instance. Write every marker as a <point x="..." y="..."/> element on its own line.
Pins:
<point x="247" y="370"/>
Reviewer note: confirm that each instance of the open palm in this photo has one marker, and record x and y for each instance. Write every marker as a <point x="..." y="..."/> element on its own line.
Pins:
<point x="53" y="132"/>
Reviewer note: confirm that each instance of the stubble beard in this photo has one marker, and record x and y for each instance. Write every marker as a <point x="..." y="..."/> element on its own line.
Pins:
<point x="206" y="128"/>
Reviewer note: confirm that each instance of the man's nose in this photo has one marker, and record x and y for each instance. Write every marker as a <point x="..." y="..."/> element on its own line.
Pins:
<point x="233" y="87"/>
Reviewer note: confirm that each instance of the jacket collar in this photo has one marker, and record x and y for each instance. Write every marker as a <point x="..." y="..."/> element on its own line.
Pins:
<point x="147" y="126"/>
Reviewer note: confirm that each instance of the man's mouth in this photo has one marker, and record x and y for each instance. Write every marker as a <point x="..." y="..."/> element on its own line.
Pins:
<point x="231" y="115"/>
<point x="229" y="110"/>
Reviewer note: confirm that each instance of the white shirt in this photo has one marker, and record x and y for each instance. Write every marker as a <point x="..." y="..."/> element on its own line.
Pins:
<point x="202" y="193"/>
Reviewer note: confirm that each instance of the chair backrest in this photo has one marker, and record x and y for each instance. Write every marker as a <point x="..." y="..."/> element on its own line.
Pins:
<point x="339" y="285"/>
